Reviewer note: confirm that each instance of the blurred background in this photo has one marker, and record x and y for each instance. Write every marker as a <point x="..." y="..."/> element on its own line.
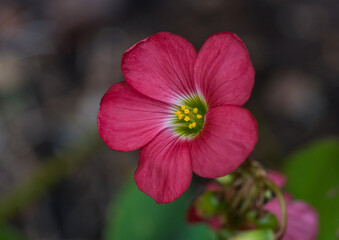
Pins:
<point x="57" y="59"/>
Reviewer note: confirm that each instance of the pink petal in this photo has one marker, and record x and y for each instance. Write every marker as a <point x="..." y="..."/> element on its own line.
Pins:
<point x="302" y="220"/>
<point x="161" y="67"/>
<point x="127" y="120"/>
<point x="223" y="70"/>
<point x="165" y="168"/>
<point x="278" y="178"/>
<point x="227" y="138"/>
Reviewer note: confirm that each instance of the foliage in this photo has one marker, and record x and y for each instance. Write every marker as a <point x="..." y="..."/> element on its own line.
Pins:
<point x="134" y="215"/>
<point x="313" y="176"/>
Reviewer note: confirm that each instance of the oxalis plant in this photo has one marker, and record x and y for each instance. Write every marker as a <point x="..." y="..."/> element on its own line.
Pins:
<point x="184" y="111"/>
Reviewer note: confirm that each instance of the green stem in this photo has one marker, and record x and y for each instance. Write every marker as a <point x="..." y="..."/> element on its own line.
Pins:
<point x="283" y="224"/>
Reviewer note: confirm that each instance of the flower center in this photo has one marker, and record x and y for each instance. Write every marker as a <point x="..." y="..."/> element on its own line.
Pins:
<point x="189" y="116"/>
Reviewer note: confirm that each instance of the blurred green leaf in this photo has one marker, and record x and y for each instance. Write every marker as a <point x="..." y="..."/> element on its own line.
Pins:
<point x="196" y="232"/>
<point x="7" y="233"/>
<point x="135" y="215"/>
<point x="313" y="176"/>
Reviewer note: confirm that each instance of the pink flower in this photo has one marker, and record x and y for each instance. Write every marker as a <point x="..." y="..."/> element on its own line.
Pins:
<point x="276" y="177"/>
<point x="302" y="219"/>
<point x="183" y="109"/>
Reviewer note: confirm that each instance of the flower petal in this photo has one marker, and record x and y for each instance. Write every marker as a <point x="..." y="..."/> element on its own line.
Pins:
<point x="223" y="71"/>
<point x="127" y="120"/>
<point x="165" y="168"/>
<point x="161" y="67"/>
<point x="227" y="138"/>
<point x="302" y="221"/>
<point x="278" y="178"/>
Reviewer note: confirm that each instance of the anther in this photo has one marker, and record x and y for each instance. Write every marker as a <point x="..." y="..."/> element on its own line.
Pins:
<point x="187" y="111"/>
<point x="177" y="113"/>
<point x="187" y="118"/>
<point x="195" y="110"/>
<point x="182" y="107"/>
<point x="193" y="124"/>
<point x="199" y="116"/>
<point x="180" y="116"/>
<point x="190" y="126"/>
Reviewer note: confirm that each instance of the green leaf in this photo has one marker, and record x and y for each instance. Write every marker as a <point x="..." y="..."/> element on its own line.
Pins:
<point x="134" y="215"/>
<point x="197" y="232"/>
<point x="313" y="176"/>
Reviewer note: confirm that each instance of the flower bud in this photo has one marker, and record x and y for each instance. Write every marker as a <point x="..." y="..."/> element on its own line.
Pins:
<point x="267" y="221"/>
<point x="225" y="180"/>
<point x="207" y="205"/>
<point x="262" y="234"/>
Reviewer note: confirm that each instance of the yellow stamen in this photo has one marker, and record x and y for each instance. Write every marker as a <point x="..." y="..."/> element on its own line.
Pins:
<point x="182" y="107"/>
<point x="190" y="126"/>
<point x="199" y="116"/>
<point x="187" y="118"/>
<point x="180" y="116"/>
<point x="195" y="110"/>
<point x="193" y="124"/>
<point x="187" y="111"/>
<point x="177" y="113"/>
